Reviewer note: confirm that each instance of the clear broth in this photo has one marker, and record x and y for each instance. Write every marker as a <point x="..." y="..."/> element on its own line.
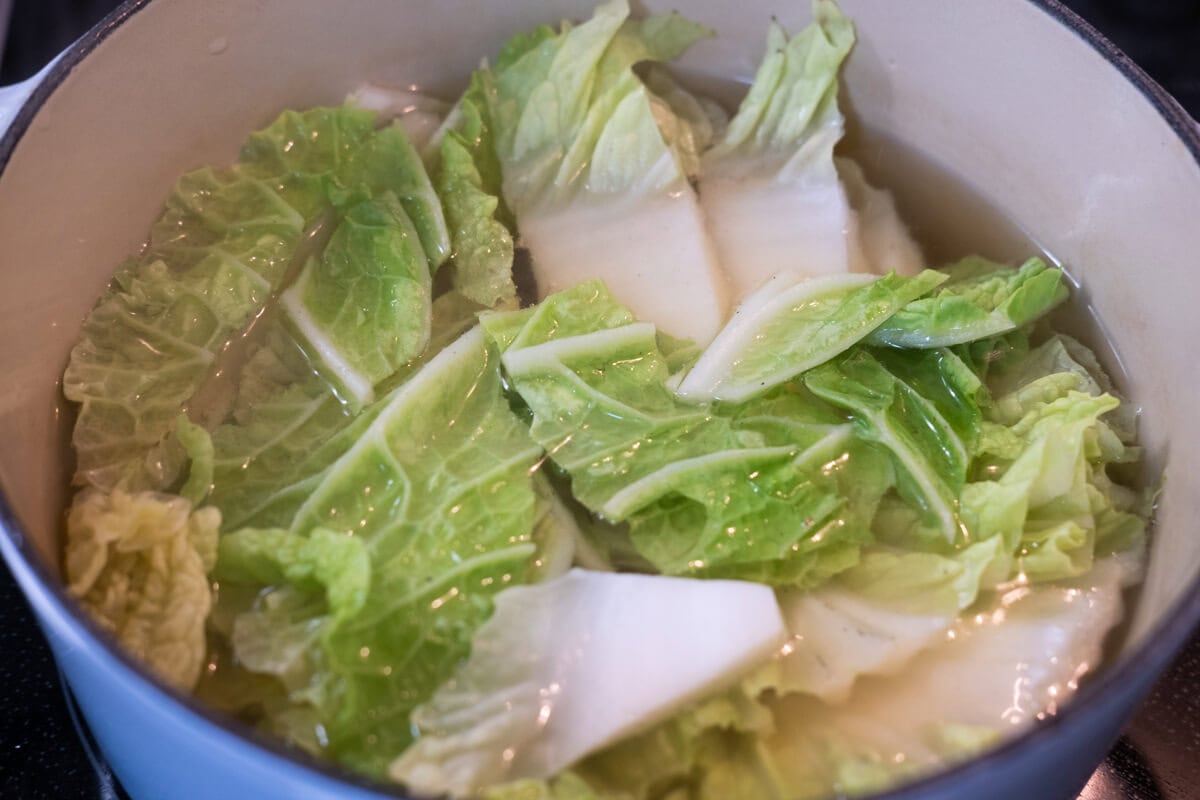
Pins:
<point x="947" y="217"/>
<point x="950" y="220"/>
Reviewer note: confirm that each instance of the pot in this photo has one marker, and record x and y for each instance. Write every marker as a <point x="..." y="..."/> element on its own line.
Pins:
<point x="1023" y="102"/>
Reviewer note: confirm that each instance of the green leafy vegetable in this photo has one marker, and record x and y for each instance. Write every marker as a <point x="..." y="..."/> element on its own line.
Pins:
<point x="791" y="325"/>
<point x="930" y="458"/>
<point x="910" y="712"/>
<point x="406" y="483"/>
<point x="562" y="107"/>
<point x="769" y="186"/>
<point x="778" y="491"/>
<point x="138" y="563"/>
<point x="363" y="309"/>
<point x="468" y="181"/>
<point x="289" y="424"/>
<point x="1041" y="503"/>
<point x="336" y="564"/>
<point x="981" y="300"/>
<point x="1058" y="355"/>
<point x="224" y="244"/>
<point x="695" y="122"/>
<point x="549" y="681"/>
<point x="875" y="616"/>
<point x="595" y="166"/>
<point x="198" y="445"/>
<point x="947" y="383"/>
<point x="1040" y="467"/>
<point x="437" y="488"/>
<point x="794" y="94"/>
<point x="387" y="163"/>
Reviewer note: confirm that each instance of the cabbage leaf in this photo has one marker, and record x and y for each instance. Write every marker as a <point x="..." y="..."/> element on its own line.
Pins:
<point x="981" y="300"/>
<point x="362" y="309"/>
<point x="595" y="167"/>
<point x="873" y="618"/>
<point x="225" y="244"/>
<point x="437" y="488"/>
<point x="289" y="424"/>
<point x="793" y="324"/>
<point x="138" y="563"/>
<point x="469" y="184"/>
<point x="769" y="187"/>
<point x="778" y="490"/>
<point x="549" y="681"/>
<point x="929" y="455"/>
<point x="1020" y="656"/>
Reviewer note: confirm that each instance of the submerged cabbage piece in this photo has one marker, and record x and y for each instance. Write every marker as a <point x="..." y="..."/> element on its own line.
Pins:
<point x="438" y="491"/>
<point x="225" y="244"/>
<point x="876" y="616"/>
<point x="595" y="167"/>
<point x="981" y="299"/>
<point x="1018" y="658"/>
<point x="289" y="424"/>
<point x="791" y="325"/>
<point x="1052" y="440"/>
<point x="363" y="308"/>
<point x="357" y="321"/>
<point x="139" y="564"/>
<point x="1016" y="661"/>
<point x="929" y="454"/>
<point x="778" y="491"/>
<point x="550" y="680"/>
<point x="821" y="733"/>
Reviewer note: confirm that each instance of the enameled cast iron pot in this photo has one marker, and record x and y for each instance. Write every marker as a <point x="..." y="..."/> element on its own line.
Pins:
<point x="1021" y="100"/>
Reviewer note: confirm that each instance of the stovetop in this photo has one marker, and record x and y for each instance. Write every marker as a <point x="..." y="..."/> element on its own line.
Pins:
<point x="46" y="752"/>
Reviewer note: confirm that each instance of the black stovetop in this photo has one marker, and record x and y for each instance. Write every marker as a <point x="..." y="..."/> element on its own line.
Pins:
<point x="43" y="755"/>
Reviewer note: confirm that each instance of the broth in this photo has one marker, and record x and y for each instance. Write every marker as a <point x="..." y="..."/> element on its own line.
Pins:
<point x="948" y="218"/>
<point x="951" y="219"/>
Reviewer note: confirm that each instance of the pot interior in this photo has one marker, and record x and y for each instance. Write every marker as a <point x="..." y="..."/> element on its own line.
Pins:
<point x="1049" y="132"/>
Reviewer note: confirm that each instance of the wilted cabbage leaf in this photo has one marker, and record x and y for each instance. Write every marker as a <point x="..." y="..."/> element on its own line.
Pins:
<point x="289" y="424"/>
<point x="930" y="458"/>
<point x="778" y="490"/>
<point x="982" y="299"/>
<point x="595" y="167"/>
<point x="362" y="308"/>
<point x="769" y="187"/>
<point x="224" y="244"/>
<point x="468" y="182"/>
<point x="437" y="487"/>
<point x="793" y="324"/>
<point x="139" y="563"/>
<point x="550" y="681"/>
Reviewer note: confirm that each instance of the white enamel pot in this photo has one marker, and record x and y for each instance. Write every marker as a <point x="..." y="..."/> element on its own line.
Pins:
<point x="1021" y="100"/>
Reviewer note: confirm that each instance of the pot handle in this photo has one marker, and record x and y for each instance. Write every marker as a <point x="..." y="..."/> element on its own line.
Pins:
<point x="12" y="97"/>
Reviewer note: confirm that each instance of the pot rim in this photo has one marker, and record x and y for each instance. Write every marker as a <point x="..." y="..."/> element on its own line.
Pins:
<point x="1160" y="645"/>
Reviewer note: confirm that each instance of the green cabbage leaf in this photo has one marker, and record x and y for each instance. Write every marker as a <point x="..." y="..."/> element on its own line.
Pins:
<point x="138" y="563"/>
<point x="778" y="490"/>
<point x="981" y="299"/>
<point x="227" y="242"/>
<point x="436" y="489"/>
